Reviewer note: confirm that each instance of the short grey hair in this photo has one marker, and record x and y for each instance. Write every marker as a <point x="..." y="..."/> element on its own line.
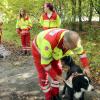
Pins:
<point x="68" y="36"/>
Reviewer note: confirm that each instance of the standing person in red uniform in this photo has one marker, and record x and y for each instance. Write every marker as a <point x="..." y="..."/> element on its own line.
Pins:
<point x="50" y="18"/>
<point x="23" y="26"/>
<point x="47" y="49"/>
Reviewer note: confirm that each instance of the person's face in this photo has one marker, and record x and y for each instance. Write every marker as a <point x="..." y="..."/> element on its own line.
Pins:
<point x="46" y="9"/>
<point x="22" y="12"/>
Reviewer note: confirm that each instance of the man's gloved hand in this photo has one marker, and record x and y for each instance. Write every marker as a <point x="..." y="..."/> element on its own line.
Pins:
<point x="86" y="71"/>
<point x="60" y="79"/>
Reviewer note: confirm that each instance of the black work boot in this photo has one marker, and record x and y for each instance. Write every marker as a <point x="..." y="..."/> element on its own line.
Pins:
<point x="57" y="97"/>
<point x="24" y="53"/>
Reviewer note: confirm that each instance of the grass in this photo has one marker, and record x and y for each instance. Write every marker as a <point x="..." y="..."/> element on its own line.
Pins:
<point x="91" y="43"/>
<point x="9" y="33"/>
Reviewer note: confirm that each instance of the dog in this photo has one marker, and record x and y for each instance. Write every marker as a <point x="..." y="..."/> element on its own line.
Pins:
<point x="76" y="82"/>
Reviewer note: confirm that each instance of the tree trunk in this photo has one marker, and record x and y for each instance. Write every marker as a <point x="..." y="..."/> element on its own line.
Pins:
<point x="91" y="11"/>
<point x="80" y="15"/>
<point x="73" y="14"/>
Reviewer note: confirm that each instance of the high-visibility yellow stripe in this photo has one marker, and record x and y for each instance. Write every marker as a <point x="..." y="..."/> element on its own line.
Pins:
<point x="50" y="23"/>
<point x="45" y="87"/>
<point x="55" y="82"/>
<point x="46" y="90"/>
<point x="53" y="85"/>
<point x="23" y="24"/>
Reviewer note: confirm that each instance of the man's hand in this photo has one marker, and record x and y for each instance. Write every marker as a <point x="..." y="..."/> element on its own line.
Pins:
<point x="87" y="71"/>
<point x="60" y="79"/>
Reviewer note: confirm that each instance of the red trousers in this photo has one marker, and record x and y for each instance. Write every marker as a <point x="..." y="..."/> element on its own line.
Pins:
<point x="48" y="89"/>
<point x="25" y="40"/>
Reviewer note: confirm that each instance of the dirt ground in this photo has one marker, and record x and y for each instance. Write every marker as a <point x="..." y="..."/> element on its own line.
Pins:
<point x="18" y="78"/>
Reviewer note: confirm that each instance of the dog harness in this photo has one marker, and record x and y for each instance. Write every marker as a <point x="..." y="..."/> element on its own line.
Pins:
<point x="69" y="80"/>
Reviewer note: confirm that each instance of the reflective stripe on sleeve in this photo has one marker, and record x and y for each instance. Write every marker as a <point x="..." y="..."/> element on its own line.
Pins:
<point x="55" y="84"/>
<point x="46" y="90"/>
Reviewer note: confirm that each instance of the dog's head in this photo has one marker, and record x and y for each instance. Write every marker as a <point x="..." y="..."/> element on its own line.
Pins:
<point x="82" y="83"/>
<point x="79" y="84"/>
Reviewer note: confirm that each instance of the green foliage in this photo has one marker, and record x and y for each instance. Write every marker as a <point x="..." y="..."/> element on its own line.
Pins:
<point x="92" y="53"/>
<point x="9" y="33"/>
<point x="91" y="33"/>
<point x="10" y="9"/>
<point x="96" y="4"/>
